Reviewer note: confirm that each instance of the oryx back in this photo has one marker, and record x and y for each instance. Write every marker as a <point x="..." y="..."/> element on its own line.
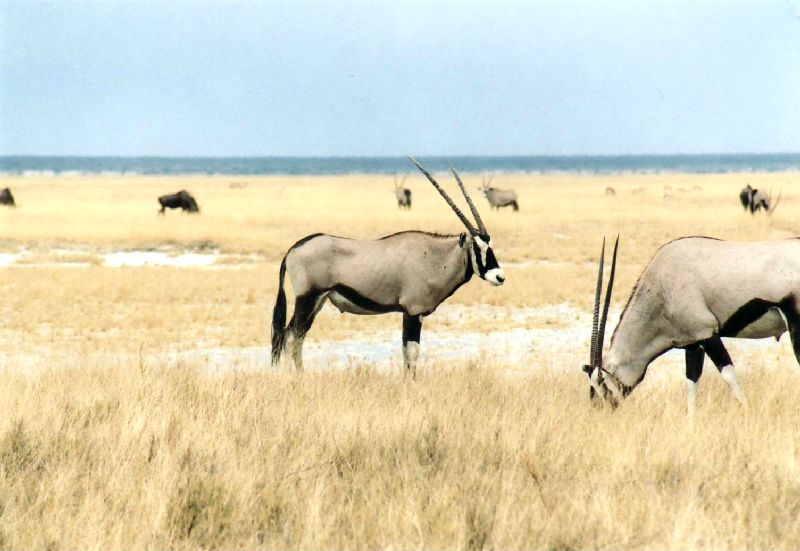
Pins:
<point x="739" y="283"/>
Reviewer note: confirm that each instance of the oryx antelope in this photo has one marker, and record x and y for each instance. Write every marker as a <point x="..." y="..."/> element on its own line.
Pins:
<point x="693" y="292"/>
<point x="611" y="191"/>
<point x="410" y="272"/>
<point x="499" y="197"/>
<point x="403" y="194"/>
<point x="7" y="198"/>
<point x="756" y="199"/>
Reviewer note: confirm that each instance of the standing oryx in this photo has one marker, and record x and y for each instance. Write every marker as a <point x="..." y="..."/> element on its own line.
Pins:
<point x="410" y="272"/>
<point x="499" y="197"/>
<point x="756" y="199"/>
<point x="403" y="194"/>
<point x="695" y="291"/>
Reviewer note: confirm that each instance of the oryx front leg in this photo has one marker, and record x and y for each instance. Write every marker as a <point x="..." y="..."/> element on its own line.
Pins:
<point x="716" y="351"/>
<point x="694" y="369"/>
<point x="412" y="328"/>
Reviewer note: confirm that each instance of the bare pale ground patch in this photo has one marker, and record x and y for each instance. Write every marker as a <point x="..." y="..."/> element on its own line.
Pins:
<point x="137" y="408"/>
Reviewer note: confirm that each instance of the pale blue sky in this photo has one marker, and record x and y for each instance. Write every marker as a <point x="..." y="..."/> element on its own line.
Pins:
<point x="399" y="77"/>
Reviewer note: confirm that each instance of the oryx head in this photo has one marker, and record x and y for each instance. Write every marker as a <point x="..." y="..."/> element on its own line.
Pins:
<point x="481" y="254"/>
<point x="486" y="185"/>
<point x="602" y="380"/>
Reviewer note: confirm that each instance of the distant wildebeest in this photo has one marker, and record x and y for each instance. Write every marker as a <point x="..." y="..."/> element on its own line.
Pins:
<point x="499" y="197"/>
<point x="403" y="194"/>
<point x="181" y="200"/>
<point x="6" y="198"/>
<point x="693" y="292"/>
<point x="756" y="199"/>
<point x="611" y="191"/>
<point x="411" y="272"/>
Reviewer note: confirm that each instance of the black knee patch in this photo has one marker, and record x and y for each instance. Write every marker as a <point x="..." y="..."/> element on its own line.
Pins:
<point x="694" y="363"/>
<point x="412" y="328"/>
<point x="716" y="351"/>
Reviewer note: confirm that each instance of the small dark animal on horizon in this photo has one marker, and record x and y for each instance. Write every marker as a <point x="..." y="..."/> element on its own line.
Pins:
<point x="6" y="198"/>
<point x="181" y="200"/>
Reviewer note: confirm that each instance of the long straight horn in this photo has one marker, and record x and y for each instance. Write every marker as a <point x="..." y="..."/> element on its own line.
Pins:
<point x="443" y="193"/>
<point x="596" y="314"/>
<point x="472" y="208"/>
<point x="774" y="205"/>
<point x="403" y="181"/>
<point x="604" y="318"/>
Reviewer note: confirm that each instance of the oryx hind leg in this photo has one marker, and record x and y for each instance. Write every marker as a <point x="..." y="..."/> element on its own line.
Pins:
<point x="412" y="329"/>
<point x="790" y="315"/>
<point x="694" y="369"/>
<point x="306" y="308"/>
<point x="719" y="355"/>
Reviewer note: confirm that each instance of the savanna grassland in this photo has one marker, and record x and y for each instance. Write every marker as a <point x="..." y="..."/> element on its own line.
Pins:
<point x="114" y="436"/>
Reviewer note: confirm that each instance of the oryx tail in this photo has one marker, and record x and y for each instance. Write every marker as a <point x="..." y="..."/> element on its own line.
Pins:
<point x="279" y="318"/>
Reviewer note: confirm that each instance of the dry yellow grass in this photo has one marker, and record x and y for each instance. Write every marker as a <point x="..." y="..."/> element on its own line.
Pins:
<point x="106" y="444"/>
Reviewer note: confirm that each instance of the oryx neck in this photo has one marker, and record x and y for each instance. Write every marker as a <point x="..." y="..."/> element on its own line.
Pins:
<point x="635" y="343"/>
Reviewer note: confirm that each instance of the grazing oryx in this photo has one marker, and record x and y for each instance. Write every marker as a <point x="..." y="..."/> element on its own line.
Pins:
<point x="411" y="272"/>
<point x="181" y="200"/>
<point x="6" y="198"/>
<point x="611" y="191"/>
<point x="403" y="194"/>
<point x="755" y="200"/>
<point x="499" y="197"/>
<point x="695" y="291"/>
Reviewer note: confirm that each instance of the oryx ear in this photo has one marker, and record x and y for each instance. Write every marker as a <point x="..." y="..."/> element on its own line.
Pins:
<point x="462" y="239"/>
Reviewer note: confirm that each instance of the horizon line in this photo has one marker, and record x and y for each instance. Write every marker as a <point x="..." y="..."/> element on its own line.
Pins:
<point x="489" y="156"/>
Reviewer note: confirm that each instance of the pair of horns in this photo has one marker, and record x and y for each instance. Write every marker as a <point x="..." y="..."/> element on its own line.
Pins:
<point x="481" y="230"/>
<point x="773" y="206"/>
<point x="403" y="181"/>
<point x="598" y="321"/>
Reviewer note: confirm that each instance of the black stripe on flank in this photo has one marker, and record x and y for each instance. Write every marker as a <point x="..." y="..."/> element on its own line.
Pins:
<point x="744" y="316"/>
<point x="363" y="302"/>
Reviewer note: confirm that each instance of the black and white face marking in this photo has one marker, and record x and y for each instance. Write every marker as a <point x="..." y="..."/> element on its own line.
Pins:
<point x="607" y="388"/>
<point x="484" y="262"/>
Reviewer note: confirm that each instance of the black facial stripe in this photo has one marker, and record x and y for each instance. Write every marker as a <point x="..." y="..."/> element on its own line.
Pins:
<point x="476" y="250"/>
<point x="491" y="261"/>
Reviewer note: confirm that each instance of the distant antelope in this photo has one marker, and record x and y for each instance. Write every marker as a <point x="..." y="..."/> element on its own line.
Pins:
<point x="611" y="191"/>
<point x="756" y="199"/>
<point x="410" y="272"/>
<point x="499" y="197"/>
<point x="403" y="194"/>
<point x="182" y="200"/>
<point x="693" y="292"/>
<point x="7" y="198"/>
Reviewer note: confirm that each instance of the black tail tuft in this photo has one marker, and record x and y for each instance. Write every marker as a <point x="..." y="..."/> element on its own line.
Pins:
<point x="515" y="205"/>
<point x="279" y="318"/>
